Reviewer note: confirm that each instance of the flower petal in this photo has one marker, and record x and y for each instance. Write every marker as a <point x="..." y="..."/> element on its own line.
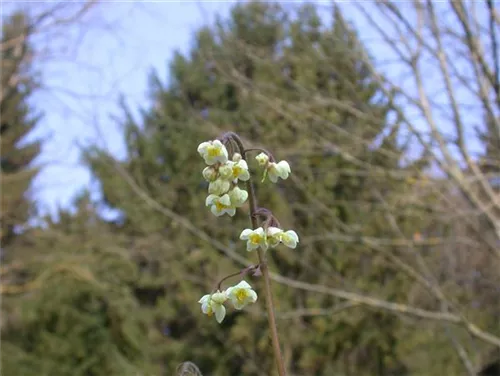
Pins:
<point x="245" y="234"/>
<point x="204" y="298"/>
<point x="202" y="148"/>
<point x="243" y="285"/>
<point x="220" y="312"/>
<point x="215" y="212"/>
<point x="253" y="296"/>
<point x="290" y="239"/>
<point x="225" y="200"/>
<point x="244" y="176"/>
<point x="251" y="246"/>
<point x="259" y="231"/>
<point x="237" y="304"/>
<point x="210" y="199"/>
<point x="273" y="231"/>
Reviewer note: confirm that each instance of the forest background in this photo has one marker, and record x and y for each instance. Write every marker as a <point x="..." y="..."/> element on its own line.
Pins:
<point x="389" y="115"/>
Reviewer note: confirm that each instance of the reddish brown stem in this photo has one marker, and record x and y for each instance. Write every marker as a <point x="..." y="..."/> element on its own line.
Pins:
<point x="252" y="199"/>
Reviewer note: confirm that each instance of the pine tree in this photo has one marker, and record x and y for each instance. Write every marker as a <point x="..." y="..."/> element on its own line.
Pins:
<point x="275" y="78"/>
<point x="66" y="305"/>
<point x="18" y="119"/>
<point x="74" y="313"/>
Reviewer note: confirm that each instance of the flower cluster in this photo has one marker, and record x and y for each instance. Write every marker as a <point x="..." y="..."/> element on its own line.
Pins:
<point x="223" y="176"/>
<point x="273" y="170"/>
<point x="239" y="295"/>
<point x="270" y="237"/>
<point x="223" y="173"/>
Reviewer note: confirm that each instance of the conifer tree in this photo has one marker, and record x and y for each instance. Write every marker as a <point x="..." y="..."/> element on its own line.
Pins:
<point x="18" y="119"/>
<point x="74" y="313"/>
<point x="272" y="76"/>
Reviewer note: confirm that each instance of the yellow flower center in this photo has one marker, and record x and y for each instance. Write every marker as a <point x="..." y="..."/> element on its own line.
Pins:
<point x="220" y="206"/>
<point x="213" y="151"/>
<point x="237" y="171"/>
<point x="254" y="238"/>
<point x="241" y="296"/>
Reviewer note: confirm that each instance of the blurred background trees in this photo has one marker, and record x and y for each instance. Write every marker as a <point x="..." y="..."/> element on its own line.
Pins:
<point x="18" y="119"/>
<point x="397" y="269"/>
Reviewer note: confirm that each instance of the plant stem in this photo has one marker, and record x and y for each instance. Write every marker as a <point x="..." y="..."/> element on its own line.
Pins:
<point x="241" y="272"/>
<point x="252" y="200"/>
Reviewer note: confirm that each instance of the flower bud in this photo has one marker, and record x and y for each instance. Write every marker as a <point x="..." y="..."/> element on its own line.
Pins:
<point x="219" y="187"/>
<point x="238" y="196"/>
<point x="226" y="170"/>
<point x="262" y="159"/>
<point x="209" y="173"/>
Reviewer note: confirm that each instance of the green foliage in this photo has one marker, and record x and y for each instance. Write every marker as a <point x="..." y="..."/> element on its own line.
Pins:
<point x="79" y="321"/>
<point x="120" y="298"/>
<point x="17" y="120"/>
<point x="274" y="78"/>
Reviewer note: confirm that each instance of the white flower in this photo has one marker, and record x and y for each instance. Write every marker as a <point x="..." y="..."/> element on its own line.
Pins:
<point x="236" y="157"/>
<point x="219" y="205"/>
<point x="209" y="173"/>
<point x="290" y="239"/>
<point x="262" y="159"/>
<point x="241" y="295"/>
<point x="214" y="303"/>
<point x="213" y="152"/>
<point x="255" y="238"/>
<point x="240" y="171"/>
<point x="219" y="187"/>
<point x="226" y="170"/>
<point x="238" y="196"/>
<point x="274" y="236"/>
<point x="280" y="169"/>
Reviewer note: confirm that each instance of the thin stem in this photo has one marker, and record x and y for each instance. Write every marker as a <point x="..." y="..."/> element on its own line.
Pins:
<point x="252" y="200"/>
<point x="241" y="272"/>
<point x="271" y="157"/>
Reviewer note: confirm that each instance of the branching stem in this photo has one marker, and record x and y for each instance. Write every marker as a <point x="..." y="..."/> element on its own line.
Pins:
<point x="252" y="199"/>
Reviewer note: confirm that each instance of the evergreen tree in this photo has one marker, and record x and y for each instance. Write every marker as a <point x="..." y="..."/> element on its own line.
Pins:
<point x="275" y="78"/>
<point x="75" y="312"/>
<point x="18" y="119"/>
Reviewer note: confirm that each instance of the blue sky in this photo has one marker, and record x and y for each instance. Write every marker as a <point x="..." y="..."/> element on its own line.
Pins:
<point x="82" y="84"/>
<point x="84" y="79"/>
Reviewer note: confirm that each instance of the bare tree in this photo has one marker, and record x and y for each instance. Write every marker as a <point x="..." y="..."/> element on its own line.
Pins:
<point x="47" y="28"/>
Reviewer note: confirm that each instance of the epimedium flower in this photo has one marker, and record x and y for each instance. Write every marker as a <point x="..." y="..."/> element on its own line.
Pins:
<point x="220" y="205"/>
<point x="255" y="238"/>
<point x="241" y="295"/>
<point x="219" y="187"/>
<point x="238" y="196"/>
<point x="214" y="304"/>
<point x="240" y="170"/>
<point x="213" y="152"/>
<point x="274" y="235"/>
<point x="290" y="239"/>
<point x="280" y="169"/>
